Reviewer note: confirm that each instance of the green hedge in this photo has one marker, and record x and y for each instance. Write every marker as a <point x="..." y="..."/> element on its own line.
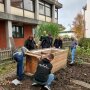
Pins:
<point x="85" y="43"/>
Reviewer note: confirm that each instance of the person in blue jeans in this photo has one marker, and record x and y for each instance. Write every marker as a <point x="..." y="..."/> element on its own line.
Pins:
<point x="73" y="49"/>
<point x="19" y="57"/>
<point x="43" y="75"/>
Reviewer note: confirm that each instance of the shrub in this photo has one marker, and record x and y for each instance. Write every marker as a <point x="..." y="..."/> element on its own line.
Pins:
<point x="81" y="51"/>
<point x="85" y="43"/>
<point x="50" y="28"/>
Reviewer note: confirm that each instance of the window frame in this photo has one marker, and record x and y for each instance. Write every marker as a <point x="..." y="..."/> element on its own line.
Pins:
<point x="46" y="5"/>
<point x="50" y="10"/>
<point x="33" y="6"/>
<point x="16" y="36"/>
<point x="18" y="7"/>
<point x="2" y="2"/>
<point x="43" y="4"/>
<point x="56" y="11"/>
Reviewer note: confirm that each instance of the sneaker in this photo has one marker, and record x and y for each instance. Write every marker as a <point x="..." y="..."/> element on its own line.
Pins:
<point x="72" y="63"/>
<point x="33" y="84"/>
<point x="47" y="87"/>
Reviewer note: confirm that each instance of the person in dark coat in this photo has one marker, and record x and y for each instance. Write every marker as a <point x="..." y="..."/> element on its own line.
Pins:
<point x="46" y="40"/>
<point x="30" y="43"/>
<point x="43" y="74"/>
<point x="50" y="39"/>
<point x="58" y="43"/>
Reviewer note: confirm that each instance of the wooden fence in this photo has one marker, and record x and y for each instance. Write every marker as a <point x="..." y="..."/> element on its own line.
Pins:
<point x="5" y="54"/>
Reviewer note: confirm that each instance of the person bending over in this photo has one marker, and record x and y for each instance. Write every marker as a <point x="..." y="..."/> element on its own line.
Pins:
<point x="18" y="56"/>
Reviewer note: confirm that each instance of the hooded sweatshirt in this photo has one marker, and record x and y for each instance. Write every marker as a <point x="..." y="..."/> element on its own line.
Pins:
<point x="43" y="70"/>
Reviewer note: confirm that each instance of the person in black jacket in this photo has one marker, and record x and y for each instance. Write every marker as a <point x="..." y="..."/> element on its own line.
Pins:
<point x="50" y="40"/>
<point x="43" y="74"/>
<point x="30" y="43"/>
<point x="46" y="40"/>
<point x="58" y="43"/>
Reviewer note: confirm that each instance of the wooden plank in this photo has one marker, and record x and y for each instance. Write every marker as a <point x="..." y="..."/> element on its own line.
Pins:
<point x="28" y="64"/>
<point x="33" y="55"/>
<point x="59" y="58"/>
<point x="86" y="63"/>
<point x="59" y="65"/>
<point x="81" y="83"/>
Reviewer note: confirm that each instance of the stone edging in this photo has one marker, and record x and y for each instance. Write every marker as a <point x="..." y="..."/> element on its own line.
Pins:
<point x="81" y="83"/>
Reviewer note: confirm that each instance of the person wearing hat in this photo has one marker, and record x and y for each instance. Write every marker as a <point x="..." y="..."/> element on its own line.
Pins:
<point x="18" y="56"/>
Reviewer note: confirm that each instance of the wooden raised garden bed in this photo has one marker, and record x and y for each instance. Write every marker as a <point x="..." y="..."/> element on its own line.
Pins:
<point x="59" y="61"/>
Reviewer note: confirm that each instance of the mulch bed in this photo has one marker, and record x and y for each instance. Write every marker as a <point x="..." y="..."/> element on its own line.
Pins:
<point x="63" y="82"/>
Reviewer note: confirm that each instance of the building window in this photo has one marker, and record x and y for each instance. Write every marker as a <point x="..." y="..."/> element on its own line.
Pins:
<point x="17" y="31"/>
<point x="29" y="5"/>
<point x="56" y="13"/>
<point x="48" y="10"/>
<point x="1" y="1"/>
<point x="17" y="3"/>
<point x="41" y="8"/>
<point x="44" y="9"/>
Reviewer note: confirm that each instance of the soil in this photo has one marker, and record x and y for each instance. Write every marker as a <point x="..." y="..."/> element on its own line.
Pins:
<point x="63" y="81"/>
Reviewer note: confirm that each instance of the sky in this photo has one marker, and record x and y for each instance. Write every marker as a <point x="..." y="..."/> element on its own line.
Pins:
<point x="69" y="11"/>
